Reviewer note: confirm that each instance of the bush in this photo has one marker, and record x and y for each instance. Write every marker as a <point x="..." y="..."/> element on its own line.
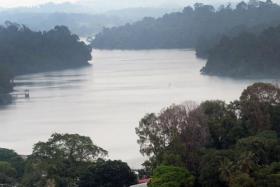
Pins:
<point x="169" y="176"/>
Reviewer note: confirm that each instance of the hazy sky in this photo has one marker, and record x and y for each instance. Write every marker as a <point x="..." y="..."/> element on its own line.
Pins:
<point x="14" y="3"/>
<point x="119" y="3"/>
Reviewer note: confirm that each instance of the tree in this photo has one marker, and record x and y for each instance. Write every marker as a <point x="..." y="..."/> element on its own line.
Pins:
<point x="264" y="147"/>
<point x="247" y="54"/>
<point x="253" y="3"/>
<point x="178" y="131"/>
<point x="216" y="167"/>
<point x="15" y="160"/>
<point x="25" y="51"/>
<point x="223" y="123"/>
<point x="170" y="176"/>
<point x="203" y="27"/>
<point x="62" y="159"/>
<point x="7" y="173"/>
<point x="243" y="180"/>
<point x="256" y="103"/>
<point x="268" y="176"/>
<point x="221" y="144"/>
<point x="241" y="6"/>
<point x="108" y="173"/>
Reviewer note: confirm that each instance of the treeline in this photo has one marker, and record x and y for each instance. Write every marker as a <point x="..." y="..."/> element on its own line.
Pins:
<point x="246" y="55"/>
<point x="65" y="160"/>
<point x="238" y="42"/>
<point x="200" y="26"/>
<point x="215" y="144"/>
<point x="25" y="51"/>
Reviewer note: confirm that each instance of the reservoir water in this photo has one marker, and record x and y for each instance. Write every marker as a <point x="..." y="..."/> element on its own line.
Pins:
<point x="106" y="101"/>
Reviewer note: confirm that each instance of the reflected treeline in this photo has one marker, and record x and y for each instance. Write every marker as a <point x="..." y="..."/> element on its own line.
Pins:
<point x="6" y="85"/>
<point x="5" y="99"/>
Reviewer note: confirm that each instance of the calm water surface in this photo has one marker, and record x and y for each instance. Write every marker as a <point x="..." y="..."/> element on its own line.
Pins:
<point x="107" y="100"/>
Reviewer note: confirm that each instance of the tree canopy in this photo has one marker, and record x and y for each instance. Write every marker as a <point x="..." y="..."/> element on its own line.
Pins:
<point x="220" y="144"/>
<point x="200" y="26"/>
<point x="108" y="173"/>
<point x="61" y="160"/>
<point x="170" y="176"/>
<point x="25" y="51"/>
<point x="246" y="55"/>
<point x="15" y="160"/>
<point x="65" y="160"/>
<point x="7" y="173"/>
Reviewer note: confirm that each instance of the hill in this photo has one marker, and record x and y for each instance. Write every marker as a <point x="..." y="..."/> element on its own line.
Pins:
<point x="25" y="51"/>
<point x="246" y="55"/>
<point x="200" y="27"/>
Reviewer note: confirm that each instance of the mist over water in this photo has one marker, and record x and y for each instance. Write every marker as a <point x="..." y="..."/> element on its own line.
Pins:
<point x="106" y="101"/>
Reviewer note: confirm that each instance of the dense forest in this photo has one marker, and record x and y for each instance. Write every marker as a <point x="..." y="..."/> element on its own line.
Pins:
<point x="215" y="144"/>
<point x="25" y="51"/>
<point x="200" y="26"/>
<point x="65" y="160"/>
<point x="246" y="55"/>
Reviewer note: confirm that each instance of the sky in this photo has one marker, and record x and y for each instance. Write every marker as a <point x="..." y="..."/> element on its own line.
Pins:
<point x="15" y="3"/>
<point x="115" y="3"/>
<point x="123" y="3"/>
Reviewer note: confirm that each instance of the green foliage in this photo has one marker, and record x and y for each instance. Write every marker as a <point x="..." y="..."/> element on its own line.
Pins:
<point x="268" y="176"/>
<point x="216" y="167"/>
<point x="275" y="118"/>
<point x="264" y="146"/>
<point x="13" y="159"/>
<point x="62" y="159"/>
<point x="174" y="136"/>
<point x="223" y="123"/>
<point x="170" y="176"/>
<point x="108" y="174"/>
<point x="7" y="169"/>
<point x="240" y="149"/>
<point x="258" y="105"/>
<point x="7" y="173"/>
<point x="25" y="51"/>
<point x="246" y="55"/>
<point x="65" y="160"/>
<point x="243" y="180"/>
<point x="200" y="26"/>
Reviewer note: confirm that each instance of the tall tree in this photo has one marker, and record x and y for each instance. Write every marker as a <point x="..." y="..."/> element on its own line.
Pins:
<point x="61" y="160"/>
<point x="108" y="173"/>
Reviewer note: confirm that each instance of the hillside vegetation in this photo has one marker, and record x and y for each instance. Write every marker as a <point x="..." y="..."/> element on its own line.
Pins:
<point x="200" y="26"/>
<point x="215" y="143"/>
<point x="25" y="51"/>
<point x="246" y="55"/>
